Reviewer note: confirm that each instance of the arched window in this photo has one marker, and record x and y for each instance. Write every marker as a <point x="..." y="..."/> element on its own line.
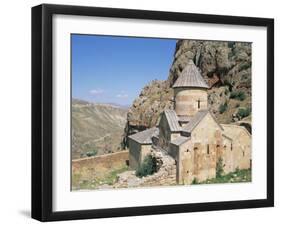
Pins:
<point x="208" y="149"/>
<point x="231" y="147"/>
<point x="198" y="104"/>
<point x="187" y="150"/>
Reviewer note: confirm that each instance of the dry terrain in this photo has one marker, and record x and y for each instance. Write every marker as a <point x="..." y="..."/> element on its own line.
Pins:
<point x="96" y="128"/>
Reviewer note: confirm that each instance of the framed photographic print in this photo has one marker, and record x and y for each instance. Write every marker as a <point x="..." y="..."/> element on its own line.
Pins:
<point x="146" y="112"/>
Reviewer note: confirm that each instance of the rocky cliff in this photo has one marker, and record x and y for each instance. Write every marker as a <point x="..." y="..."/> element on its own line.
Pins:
<point x="226" y="67"/>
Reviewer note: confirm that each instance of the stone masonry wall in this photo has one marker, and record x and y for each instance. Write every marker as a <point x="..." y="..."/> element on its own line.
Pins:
<point x="198" y="157"/>
<point x="134" y="154"/>
<point x="186" y="100"/>
<point x="98" y="165"/>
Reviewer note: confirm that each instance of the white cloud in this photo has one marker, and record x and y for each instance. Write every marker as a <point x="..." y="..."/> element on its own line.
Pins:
<point x="96" y="92"/>
<point x="122" y="95"/>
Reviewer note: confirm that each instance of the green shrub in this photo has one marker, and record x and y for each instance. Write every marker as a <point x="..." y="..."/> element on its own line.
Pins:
<point x="223" y="108"/>
<point x="238" y="95"/>
<point x="91" y="153"/>
<point x="194" y="181"/>
<point x="147" y="167"/>
<point x="228" y="84"/>
<point x="244" y="66"/>
<point x="230" y="44"/>
<point x="219" y="168"/>
<point x="243" y="112"/>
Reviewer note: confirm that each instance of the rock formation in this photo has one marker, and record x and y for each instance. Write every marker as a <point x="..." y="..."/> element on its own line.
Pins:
<point x="225" y="66"/>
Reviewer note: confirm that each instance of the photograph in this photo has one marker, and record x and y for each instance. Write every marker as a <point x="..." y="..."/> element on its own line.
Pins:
<point x="149" y="112"/>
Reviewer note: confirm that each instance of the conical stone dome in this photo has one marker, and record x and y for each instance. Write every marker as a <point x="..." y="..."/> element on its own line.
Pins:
<point x="190" y="77"/>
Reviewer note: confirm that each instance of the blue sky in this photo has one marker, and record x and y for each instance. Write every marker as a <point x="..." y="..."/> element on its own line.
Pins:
<point x="107" y="69"/>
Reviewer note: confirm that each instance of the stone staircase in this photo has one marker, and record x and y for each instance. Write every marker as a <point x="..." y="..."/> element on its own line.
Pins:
<point x="166" y="175"/>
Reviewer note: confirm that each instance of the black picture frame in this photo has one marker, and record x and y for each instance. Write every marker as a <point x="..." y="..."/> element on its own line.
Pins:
<point x="42" y="111"/>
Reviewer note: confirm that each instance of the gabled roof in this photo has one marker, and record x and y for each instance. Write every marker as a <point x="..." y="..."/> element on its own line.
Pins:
<point x="180" y="140"/>
<point x="190" y="77"/>
<point x="173" y="120"/>
<point x="196" y="119"/>
<point x="144" y="137"/>
<point x="184" y="118"/>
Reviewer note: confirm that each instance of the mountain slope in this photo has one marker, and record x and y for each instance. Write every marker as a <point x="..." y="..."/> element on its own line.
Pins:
<point x="225" y="66"/>
<point x="96" y="128"/>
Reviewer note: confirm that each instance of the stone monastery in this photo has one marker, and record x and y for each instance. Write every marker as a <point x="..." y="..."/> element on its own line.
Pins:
<point x="191" y="135"/>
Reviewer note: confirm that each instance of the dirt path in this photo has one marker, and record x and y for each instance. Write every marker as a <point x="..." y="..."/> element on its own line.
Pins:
<point x="101" y="138"/>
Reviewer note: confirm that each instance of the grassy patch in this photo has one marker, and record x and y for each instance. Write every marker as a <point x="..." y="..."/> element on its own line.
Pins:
<point x="194" y="181"/>
<point x="244" y="175"/>
<point x="109" y="179"/>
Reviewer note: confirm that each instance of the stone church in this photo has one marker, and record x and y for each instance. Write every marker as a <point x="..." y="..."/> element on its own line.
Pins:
<point x="191" y="135"/>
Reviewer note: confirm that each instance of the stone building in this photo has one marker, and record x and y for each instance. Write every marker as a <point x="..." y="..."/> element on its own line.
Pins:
<point x="191" y="135"/>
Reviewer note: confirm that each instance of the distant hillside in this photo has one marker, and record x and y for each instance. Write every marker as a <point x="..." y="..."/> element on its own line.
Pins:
<point x="96" y="128"/>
